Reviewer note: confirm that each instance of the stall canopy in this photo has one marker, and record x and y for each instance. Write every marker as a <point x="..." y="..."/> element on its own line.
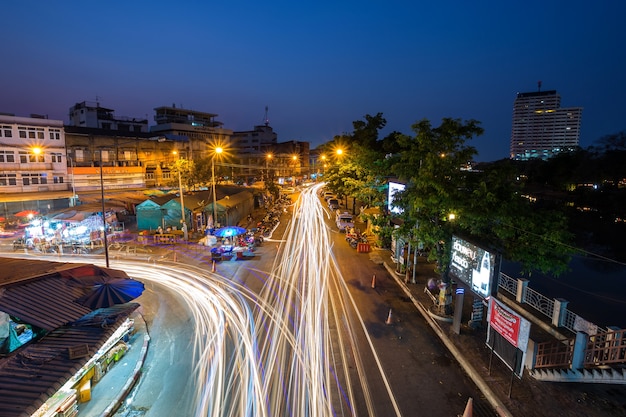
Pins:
<point x="231" y="209"/>
<point x="149" y="215"/>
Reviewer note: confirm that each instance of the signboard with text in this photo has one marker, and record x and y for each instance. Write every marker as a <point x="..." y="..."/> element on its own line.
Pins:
<point x="507" y="335"/>
<point x="474" y="266"/>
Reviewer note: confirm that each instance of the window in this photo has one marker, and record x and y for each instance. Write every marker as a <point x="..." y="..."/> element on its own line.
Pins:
<point x="6" y="130"/>
<point x="55" y="134"/>
<point x="23" y="134"/>
<point x="34" y="179"/>
<point x="7" y="156"/>
<point x="56" y="157"/>
<point x="8" y="179"/>
<point x="57" y="180"/>
<point x="23" y="157"/>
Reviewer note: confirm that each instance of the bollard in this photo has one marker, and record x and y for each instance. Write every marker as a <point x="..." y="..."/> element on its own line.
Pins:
<point x="374" y="281"/>
<point x="213" y="266"/>
<point x="388" y="318"/>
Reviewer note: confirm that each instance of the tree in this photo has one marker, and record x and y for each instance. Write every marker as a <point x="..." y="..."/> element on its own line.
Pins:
<point x="184" y="168"/>
<point x="430" y="163"/>
<point x="488" y="205"/>
<point x="356" y="170"/>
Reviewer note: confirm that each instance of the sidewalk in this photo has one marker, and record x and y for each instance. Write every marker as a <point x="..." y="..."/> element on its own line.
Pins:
<point x="110" y="392"/>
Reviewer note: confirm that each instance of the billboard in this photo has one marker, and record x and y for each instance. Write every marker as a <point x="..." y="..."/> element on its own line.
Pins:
<point x="474" y="266"/>
<point x="394" y="187"/>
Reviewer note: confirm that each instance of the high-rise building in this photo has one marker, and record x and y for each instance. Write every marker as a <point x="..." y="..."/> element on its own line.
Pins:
<point x="541" y="128"/>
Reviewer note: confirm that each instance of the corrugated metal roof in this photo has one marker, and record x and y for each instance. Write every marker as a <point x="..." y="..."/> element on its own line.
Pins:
<point x="29" y="376"/>
<point x="51" y="301"/>
<point x="44" y="294"/>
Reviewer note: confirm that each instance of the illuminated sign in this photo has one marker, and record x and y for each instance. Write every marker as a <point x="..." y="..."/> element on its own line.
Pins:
<point x="394" y="187"/>
<point x="473" y="265"/>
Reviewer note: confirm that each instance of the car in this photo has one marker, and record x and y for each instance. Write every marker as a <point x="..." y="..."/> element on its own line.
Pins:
<point x="289" y="190"/>
<point x="333" y="204"/>
<point x="343" y="220"/>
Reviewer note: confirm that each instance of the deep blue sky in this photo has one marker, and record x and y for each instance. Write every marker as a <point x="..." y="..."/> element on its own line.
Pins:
<point x="318" y="65"/>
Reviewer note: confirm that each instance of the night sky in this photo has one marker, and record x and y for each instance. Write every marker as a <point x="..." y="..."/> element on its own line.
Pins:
<point x="318" y="65"/>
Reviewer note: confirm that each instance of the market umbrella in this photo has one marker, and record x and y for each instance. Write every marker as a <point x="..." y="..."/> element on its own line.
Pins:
<point x="229" y="231"/>
<point x="111" y="291"/>
<point x="26" y="213"/>
<point x="96" y="287"/>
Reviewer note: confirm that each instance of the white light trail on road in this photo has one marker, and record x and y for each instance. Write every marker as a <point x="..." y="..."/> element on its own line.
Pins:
<point x="270" y="354"/>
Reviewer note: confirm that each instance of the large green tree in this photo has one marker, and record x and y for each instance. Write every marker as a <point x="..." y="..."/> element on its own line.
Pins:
<point x="443" y="198"/>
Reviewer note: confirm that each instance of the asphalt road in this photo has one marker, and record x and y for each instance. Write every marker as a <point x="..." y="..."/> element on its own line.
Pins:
<point x="425" y="379"/>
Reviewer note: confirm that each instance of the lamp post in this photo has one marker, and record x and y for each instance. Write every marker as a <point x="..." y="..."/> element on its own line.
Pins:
<point x="217" y="151"/>
<point x="293" y="174"/>
<point x="104" y="217"/>
<point x="73" y="200"/>
<point x="267" y="171"/>
<point x="180" y="187"/>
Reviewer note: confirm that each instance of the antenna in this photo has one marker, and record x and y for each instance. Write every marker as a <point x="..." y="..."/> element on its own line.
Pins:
<point x="266" y="120"/>
<point x="539" y="85"/>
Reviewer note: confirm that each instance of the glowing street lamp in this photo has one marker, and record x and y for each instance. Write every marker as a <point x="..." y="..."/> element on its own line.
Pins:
<point x="216" y="152"/>
<point x="268" y="157"/>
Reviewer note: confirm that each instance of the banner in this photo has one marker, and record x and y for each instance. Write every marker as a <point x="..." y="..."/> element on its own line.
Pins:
<point x="514" y="328"/>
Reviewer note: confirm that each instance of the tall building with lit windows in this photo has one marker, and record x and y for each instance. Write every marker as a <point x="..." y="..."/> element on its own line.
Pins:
<point x="541" y="127"/>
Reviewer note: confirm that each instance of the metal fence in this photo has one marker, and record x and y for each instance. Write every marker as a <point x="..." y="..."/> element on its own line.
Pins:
<point x="548" y="307"/>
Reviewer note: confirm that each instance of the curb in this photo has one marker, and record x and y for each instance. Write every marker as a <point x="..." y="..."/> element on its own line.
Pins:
<point x="130" y="383"/>
<point x="458" y="355"/>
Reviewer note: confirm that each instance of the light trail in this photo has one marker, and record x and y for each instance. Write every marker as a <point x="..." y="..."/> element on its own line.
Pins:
<point x="275" y="353"/>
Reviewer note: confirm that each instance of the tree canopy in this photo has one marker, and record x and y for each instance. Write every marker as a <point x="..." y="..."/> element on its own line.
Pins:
<point x="444" y="196"/>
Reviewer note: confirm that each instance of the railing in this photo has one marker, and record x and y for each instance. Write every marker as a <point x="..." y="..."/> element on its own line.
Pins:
<point x="546" y="306"/>
<point x="606" y="348"/>
<point x="540" y="302"/>
<point x="507" y="283"/>
<point x="598" y="347"/>
<point x="554" y="354"/>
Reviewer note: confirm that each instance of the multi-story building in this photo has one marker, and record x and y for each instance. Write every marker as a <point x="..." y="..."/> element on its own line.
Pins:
<point x="202" y="131"/>
<point x="92" y="115"/>
<point x="541" y="127"/>
<point x="254" y="149"/>
<point x="128" y="160"/>
<point x="32" y="155"/>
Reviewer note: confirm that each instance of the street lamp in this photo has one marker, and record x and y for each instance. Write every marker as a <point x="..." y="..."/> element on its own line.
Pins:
<point x="74" y="197"/>
<point x="295" y="169"/>
<point x="104" y="218"/>
<point x="217" y="151"/>
<point x="180" y="187"/>
<point x="267" y="159"/>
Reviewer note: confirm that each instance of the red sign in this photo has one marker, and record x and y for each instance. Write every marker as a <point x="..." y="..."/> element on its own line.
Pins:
<point x="504" y="321"/>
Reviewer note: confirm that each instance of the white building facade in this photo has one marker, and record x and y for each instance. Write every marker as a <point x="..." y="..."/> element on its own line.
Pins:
<point x="32" y="155"/>
<point x="541" y="128"/>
